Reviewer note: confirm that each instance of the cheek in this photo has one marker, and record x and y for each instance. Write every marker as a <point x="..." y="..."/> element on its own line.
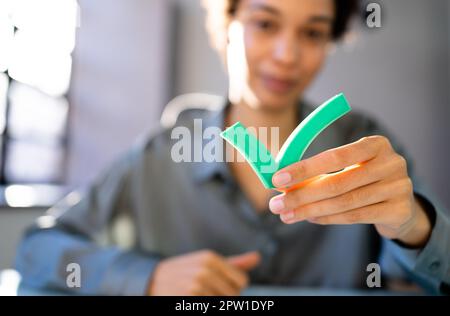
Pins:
<point x="256" y="52"/>
<point x="311" y="62"/>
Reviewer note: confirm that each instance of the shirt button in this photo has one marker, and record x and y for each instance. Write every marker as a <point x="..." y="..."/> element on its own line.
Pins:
<point x="434" y="266"/>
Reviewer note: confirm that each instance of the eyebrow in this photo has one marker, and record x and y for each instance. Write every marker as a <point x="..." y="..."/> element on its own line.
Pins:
<point x="264" y="7"/>
<point x="321" y="19"/>
<point x="274" y="11"/>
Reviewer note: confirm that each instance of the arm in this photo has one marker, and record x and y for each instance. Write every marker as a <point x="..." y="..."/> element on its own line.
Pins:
<point x="375" y="185"/>
<point x="423" y="255"/>
<point x="70" y="232"/>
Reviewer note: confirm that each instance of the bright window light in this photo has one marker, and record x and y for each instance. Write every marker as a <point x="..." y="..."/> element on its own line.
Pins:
<point x="54" y="20"/>
<point x="4" y="82"/>
<point x="34" y="115"/>
<point x="38" y="65"/>
<point x="44" y="13"/>
<point x="41" y="48"/>
<point x="33" y="163"/>
<point x="6" y="38"/>
<point x="37" y="38"/>
<point x="20" y="196"/>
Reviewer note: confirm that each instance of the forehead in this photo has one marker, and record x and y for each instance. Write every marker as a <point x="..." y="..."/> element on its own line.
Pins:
<point x="299" y="10"/>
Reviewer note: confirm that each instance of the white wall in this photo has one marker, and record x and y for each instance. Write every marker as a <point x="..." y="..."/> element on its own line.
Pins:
<point x="399" y="74"/>
<point x="198" y="68"/>
<point x="121" y="80"/>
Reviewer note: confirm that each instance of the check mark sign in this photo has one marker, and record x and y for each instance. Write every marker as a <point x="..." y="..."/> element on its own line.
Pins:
<point x="260" y="158"/>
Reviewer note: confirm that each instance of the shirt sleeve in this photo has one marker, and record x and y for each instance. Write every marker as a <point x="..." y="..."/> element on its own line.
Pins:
<point x="71" y="232"/>
<point x="429" y="266"/>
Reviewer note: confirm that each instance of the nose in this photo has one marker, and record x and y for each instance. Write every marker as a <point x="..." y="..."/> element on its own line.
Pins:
<point x="286" y="50"/>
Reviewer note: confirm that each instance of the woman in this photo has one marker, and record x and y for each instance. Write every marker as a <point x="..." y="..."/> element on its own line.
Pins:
<point x="204" y="228"/>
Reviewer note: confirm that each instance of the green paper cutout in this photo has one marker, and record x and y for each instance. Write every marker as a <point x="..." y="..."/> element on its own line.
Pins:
<point x="260" y="158"/>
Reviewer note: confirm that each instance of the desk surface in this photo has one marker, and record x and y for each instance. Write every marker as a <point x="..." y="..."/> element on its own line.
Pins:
<point x="10" y="286"/>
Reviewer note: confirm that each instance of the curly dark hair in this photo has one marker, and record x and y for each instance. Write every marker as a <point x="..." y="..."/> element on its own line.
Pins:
<point x="220" y="12"/>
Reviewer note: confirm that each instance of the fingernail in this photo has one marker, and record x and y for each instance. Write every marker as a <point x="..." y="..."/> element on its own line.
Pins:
<point x="287" y="216"/>
<point x="276" y="204"/>
<point x="281" y="179"/>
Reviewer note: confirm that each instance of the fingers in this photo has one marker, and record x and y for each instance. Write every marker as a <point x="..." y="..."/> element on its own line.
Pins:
<point x="224" y="276"/>
<point x="337" y="184"/>
<point x="217" y="284"/>
<point x="246" y="261"/>
<point x="332" y="160"/>
<point x="364" y="196"/>
<point x="373" y="214"/>
<point x="229" y="281"/>
<point x="236" y="278"/>
<point x="202" y="273"/>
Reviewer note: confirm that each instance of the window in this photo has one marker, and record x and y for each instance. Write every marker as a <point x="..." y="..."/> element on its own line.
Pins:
<point x="37" y="38"/>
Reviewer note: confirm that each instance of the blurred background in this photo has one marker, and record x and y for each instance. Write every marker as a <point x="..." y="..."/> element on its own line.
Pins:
<point x="81" y="80"/>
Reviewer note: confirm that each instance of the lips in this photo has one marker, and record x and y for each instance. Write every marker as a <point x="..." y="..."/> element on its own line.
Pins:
<point x="278" y="85"/>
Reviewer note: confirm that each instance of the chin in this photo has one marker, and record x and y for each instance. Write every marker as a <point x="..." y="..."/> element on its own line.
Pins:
<point x="275" y="102"/>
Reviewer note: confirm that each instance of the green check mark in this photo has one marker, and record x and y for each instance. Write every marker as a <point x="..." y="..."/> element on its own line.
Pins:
<point x="260" y="158"/>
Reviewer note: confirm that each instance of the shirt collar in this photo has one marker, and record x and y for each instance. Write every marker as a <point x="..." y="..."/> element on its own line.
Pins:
<point x="204" y="170"/>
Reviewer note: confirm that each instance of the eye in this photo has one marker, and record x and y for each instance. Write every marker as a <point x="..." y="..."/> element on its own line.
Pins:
<point x="316" y="35"/>
<point x="265" y="25"/>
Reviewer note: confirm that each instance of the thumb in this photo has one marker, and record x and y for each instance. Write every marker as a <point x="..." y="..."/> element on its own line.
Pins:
<point x="246" y="261"/>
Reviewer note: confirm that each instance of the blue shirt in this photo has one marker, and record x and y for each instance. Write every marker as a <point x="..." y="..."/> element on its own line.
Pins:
<point x="146" y="207"/>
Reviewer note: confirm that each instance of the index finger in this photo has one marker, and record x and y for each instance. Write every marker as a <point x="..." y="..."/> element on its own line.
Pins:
<point x="330" y="161"/>
<point x="236" y="277"/>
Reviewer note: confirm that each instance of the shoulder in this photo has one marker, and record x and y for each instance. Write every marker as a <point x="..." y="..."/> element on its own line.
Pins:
<point x="184" y="108"/>
<point x="181" y="111"/>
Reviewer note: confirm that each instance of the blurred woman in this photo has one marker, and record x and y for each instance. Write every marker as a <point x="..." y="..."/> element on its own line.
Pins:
<point x="210" y="227"/>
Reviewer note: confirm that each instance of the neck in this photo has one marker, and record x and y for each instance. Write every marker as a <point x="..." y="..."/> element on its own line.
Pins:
<point x="286" y="120"/>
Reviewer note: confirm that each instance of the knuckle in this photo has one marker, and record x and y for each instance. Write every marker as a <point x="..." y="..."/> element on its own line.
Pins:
<point x="206" y="253"/>
<point x="406" y="186"/>
<point x="399" y="166"/>
<point x="382" y="141"/>
<point x="349" y="199"/>
<point x="353" y="217"/>
<point x="401" y="159"/>
<point x="409" y="185"/>
<point x="372" y="144"/>
<point x="299" y="170"/>
<point x="308" y="212"/>
<point x="336" y="157"/>
<point x="208" y="257"/>
<point x="401" y="162"/>
<point x="368" y="141"/>
<point x="293" y="199"/>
